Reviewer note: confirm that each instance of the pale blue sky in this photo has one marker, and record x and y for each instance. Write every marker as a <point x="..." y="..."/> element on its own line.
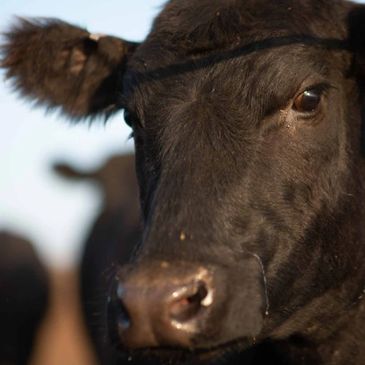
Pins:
<point x="53" y="213"/>
<point x="34" y="202"/>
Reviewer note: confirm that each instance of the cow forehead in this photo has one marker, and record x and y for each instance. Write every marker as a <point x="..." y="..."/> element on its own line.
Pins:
<point x="190" y="35"/>
<point x="206" y="24"/>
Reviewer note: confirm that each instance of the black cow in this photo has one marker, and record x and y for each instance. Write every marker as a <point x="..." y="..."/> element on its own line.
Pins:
<point x="247" y="121"/>
<point x="118" y="224"/>
<point x="24" y="290"/>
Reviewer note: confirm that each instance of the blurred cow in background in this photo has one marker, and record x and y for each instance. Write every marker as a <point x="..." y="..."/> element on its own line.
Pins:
<point x="24" y="289"/>
<point x="112" y="237"/>
<point x="40" y="315"/>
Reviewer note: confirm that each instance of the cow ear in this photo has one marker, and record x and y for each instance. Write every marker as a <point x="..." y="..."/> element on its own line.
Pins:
<point x="69" y="172"/>
<point x="57" y="64"/>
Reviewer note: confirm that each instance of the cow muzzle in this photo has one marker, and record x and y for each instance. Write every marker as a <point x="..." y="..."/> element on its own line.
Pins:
<point x="182" y="305"/>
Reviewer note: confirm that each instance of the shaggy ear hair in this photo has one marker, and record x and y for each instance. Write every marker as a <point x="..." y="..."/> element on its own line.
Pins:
<point x="59" y="65"/>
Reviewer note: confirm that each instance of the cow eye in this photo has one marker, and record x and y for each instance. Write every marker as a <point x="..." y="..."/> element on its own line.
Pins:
<point x="308" y="101"/>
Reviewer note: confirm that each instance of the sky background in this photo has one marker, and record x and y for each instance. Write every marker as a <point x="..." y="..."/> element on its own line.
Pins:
<point x="56" y="214"/>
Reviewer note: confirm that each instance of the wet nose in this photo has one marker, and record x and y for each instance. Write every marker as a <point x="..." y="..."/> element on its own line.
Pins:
<point x="161" y="306"/>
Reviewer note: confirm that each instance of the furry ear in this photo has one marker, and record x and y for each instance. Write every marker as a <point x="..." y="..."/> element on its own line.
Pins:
<point x="59" y="65"/>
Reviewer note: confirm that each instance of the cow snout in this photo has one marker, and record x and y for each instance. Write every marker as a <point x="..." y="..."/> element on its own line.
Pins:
<point x="161" y="306"/>
<point x="186" y="305"/>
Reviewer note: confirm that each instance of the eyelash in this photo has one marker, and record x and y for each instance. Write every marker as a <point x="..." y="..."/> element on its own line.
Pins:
<point x="322" y="87"/>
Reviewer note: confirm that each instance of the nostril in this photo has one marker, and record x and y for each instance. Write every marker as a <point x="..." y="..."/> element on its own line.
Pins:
<point x="123" y="318"/>
<point x="189" y="302"/>
<point x="118" y="318"/>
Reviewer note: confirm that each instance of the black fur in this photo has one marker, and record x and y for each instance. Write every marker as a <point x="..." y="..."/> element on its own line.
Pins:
<point x="224" y="155"/>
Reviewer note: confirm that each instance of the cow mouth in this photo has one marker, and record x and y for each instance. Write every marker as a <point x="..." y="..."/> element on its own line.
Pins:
<point x="182" y="356"/>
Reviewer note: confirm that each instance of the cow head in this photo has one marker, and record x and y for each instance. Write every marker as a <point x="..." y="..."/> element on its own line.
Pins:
<point x="246" y="117"/>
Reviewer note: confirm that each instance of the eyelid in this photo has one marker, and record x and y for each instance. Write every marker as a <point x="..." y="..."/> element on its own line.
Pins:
<point x="323" y="87"/>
